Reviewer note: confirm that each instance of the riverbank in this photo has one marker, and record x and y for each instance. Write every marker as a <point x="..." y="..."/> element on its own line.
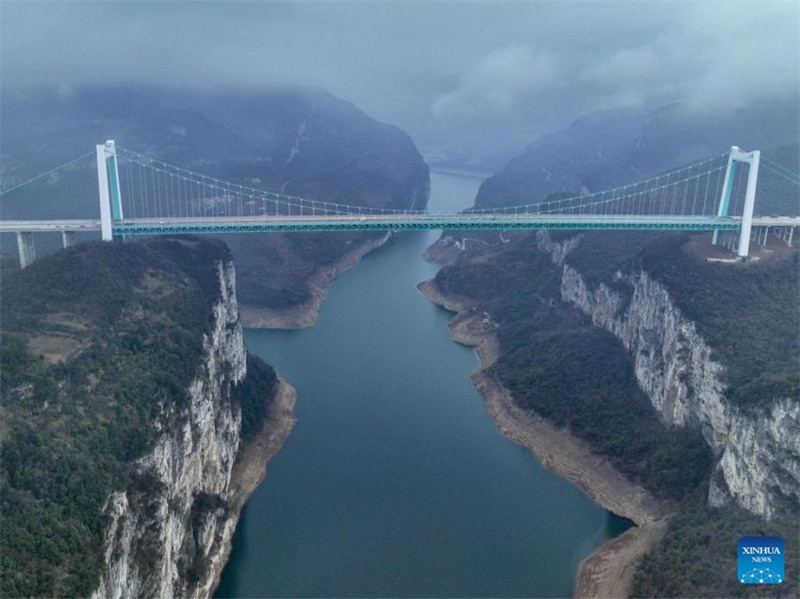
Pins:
<point x="460" y="171"/>
<point x="305" y="315"/>
<point x="609" y="571"/>
<point x="249" y="469"/>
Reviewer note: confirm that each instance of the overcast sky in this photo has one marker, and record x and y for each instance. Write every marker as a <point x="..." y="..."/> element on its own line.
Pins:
<point x="410" y="62"/>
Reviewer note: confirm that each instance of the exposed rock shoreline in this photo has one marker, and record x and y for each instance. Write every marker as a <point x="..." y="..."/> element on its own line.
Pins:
<point x="305" y="315"/>
<point x="609" y="571"/>
<point x="249" y="469"/>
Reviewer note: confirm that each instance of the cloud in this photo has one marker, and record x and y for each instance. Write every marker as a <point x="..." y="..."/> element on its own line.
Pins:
<point x="498" y="82"/>
<point x="440" y="67"/>
<point x="625" y="66"/>
<point x="756" y="60"/>
<point x="706" y="60"/>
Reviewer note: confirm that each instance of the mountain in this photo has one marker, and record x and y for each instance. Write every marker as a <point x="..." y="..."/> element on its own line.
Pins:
<point x="128" y="401"/>
<point x="302" y="142"/>
<point x="680" y="373"/>
<point x="617" y="147"/>
<point x="485" y="143"/>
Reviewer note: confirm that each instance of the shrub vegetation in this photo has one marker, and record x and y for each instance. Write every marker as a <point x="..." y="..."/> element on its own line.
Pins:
<point x="130" y="320"/>
<point x="556" y="363"/>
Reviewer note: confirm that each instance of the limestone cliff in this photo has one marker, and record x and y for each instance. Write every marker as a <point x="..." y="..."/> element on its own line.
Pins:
<point x="758" y="448"/>
<point x="167" y="541"/>
<point x="135" y="424"/>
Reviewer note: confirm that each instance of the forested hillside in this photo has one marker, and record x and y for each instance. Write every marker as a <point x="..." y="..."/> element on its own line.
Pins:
<point x="97" y="341"/>
<point x="558" y="364"/>
<point x="747" y="313"/>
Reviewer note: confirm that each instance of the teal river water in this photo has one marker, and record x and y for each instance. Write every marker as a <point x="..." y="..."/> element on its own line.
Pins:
<point x="395" y="481"/>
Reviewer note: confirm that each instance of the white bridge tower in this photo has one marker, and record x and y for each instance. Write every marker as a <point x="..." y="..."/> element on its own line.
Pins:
<point x="108" y="186"/>
<point x="736" y="156"/>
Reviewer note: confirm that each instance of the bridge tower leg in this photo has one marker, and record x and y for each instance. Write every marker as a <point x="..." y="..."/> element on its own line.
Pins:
<point x="727" y="189"/>
<point x="752" y="159"/>
<point x="27" y="251"/>
<point x="108" y="187"/>
<point x="67" y="239"/>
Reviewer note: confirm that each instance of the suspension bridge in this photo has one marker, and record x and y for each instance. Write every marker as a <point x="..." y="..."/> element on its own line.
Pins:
<point x="139" y="195"/>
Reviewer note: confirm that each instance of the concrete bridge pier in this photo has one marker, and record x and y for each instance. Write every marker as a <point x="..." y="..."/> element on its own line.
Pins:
<point x="760" y="237"/>
<point x="785" y="234"/>
<point x="728" y="240"/>
<point x="67" y="239"/>
<point x="27" y="251"/>
<point x="755" y="235"/>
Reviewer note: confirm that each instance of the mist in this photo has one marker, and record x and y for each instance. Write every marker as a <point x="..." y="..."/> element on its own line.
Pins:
<point x="445" y="71"/>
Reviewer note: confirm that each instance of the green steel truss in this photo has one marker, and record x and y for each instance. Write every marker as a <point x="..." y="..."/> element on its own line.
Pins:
<point x="700" y="223"/>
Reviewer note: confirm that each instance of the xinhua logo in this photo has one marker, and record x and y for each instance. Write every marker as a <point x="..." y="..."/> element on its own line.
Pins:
<point x="760" y="560"/>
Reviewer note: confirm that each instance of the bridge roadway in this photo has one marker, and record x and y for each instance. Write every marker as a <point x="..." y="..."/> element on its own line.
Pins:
<point x="382" y="222"/>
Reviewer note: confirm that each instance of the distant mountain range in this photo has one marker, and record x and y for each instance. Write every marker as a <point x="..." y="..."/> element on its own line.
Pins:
<point x="303" y="142"/>
<point x="615" y="147"/>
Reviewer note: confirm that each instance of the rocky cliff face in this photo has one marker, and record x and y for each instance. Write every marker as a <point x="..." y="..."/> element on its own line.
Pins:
<point x="758" y="449"/>
<point x="165" y="540"/>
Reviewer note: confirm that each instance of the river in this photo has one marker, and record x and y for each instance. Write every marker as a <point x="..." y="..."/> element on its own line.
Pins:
<point x="395" y="481"/>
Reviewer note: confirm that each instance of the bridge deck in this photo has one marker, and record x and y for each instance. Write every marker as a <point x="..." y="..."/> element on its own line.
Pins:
<point x="260" y="224"/>
<point x="52" y="226"/>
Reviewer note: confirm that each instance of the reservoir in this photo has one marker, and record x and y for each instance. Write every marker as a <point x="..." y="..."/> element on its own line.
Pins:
<point x="395" y="481"/>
